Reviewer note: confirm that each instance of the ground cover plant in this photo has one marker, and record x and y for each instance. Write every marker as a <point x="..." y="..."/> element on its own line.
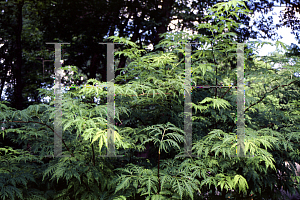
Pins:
<point x="149" y="113"/>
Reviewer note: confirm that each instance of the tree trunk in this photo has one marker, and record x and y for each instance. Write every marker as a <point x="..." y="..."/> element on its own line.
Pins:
<point x="122" y="57"/>
<point x="165" y="20"/>
<point x="3" y="79"/>
<point x="18" y="67"/>
<point x="93" y="66"/>
<point x="103" y="71"/>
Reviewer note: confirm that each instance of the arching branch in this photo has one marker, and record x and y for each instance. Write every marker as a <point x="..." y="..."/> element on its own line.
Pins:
<point x="270" y="92"/>
<point x="225" y="93"/>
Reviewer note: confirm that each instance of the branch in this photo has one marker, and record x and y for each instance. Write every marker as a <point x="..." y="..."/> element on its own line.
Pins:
<point x="225" y="92"/>
<point x="216" y="67"/>
<point x="135" y="105"/>
<point x="145" y="94"/>
<point x="269" y="92"/>
<point x="271" y="124"/>
<point x="93" y="158"/>
<point x="159" y="160"/>
<point x="48" y="127"/>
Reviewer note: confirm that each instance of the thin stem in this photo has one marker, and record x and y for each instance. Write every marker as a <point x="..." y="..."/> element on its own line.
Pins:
<point x="158" y="172"/>
<point x="216" y="68"/>
<point x="269" y="92"/>
<point x="93" y="158"/>
<point x="159" y="160"/>
<point x="225" y="93"/>
<point x="145" y="94"/>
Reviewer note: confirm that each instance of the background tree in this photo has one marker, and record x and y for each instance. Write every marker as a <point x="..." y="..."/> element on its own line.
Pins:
<point x="86" y="23"/>
<point x="22" y="39"/>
